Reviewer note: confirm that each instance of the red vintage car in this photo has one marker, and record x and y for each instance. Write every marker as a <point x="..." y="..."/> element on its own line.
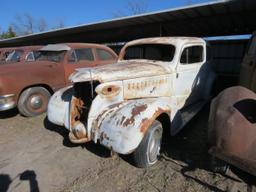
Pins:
<point x="29" y="84"/>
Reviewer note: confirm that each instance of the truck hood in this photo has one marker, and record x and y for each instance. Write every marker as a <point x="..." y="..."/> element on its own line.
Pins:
<point x="120" y="71"/>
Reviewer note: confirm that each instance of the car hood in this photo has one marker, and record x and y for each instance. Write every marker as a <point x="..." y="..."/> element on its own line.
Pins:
<point x="120" y="71"/>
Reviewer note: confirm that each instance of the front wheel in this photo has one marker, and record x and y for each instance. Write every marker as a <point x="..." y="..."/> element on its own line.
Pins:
<point x="33" y="101"/>
<point x="148" y="150"/>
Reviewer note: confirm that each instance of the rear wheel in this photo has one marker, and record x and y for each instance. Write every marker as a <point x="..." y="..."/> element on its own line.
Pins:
<point x="148" y="151"/>
<point x="33" y="101"/>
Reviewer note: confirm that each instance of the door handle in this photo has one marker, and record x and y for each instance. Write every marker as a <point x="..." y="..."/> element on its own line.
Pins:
<point x="177" y="75"/>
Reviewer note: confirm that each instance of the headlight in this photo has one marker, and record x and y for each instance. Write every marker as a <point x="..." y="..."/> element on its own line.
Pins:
<point x="108" y="91"/>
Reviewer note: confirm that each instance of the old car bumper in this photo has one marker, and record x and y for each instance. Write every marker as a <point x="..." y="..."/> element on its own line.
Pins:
<point x="58" y="107"/>
<point x="7" y="102"/>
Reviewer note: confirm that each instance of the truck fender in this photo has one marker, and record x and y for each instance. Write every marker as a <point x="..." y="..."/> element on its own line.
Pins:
<point x="58" y="107"/>
<point x="122" y="129"/>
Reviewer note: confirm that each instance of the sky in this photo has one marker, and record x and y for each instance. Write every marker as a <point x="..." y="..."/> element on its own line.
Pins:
<point x="76" y="12"/>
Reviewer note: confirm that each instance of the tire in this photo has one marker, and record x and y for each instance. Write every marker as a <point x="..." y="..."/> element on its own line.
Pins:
<point x="146" y="154"/>
<point x="33" y="101"/>
<point x="219" y="166"/>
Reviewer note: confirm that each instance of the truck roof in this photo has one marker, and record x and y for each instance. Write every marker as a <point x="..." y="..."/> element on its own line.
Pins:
<point x="166" y="40"/>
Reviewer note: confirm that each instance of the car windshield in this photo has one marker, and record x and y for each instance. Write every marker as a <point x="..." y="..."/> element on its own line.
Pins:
<point x="15" y="56"/>
<point x="155" y="52"/>
<point x="55" y="56"/>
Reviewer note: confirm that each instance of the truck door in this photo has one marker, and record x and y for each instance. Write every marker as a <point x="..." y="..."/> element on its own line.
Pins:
<point x="187" y="80"/>
<point x="248" y="68"/>
<point x="78" y="58"/>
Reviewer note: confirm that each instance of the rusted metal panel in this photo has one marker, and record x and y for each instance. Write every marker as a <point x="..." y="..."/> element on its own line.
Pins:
<point x="121" y="71"/>
<point x="156" y="86"/>
<point x="232" y="128"/>
<point x="124" y="127"/>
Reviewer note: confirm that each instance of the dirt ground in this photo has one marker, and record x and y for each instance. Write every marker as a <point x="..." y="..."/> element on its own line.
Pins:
<point x="36" y="155"/>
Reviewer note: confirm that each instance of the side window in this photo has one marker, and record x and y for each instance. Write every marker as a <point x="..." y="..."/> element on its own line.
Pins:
<point x="6" y="54"/>
<point x="30" y="56"/>
<point x="104" y="55"/>
<point x="15" y="56"/>
<point x="252" y="46"/>
<point x="84" y="54"/>
<point x="72" y="57"/>
<point x="193" y="54"/>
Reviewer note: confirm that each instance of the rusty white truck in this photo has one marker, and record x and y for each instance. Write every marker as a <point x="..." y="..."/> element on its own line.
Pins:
<point x="156" y="87"/>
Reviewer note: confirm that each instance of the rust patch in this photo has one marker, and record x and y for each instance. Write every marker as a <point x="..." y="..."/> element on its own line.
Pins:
<point x="96" y="123"/>
<point x="76" y="140"/>
<point x="135" y="111"/>
<point x="146" y="122"/>
<point x="75" y="111"/>
<point x="110" y="91"/>
<point x="138" y="109"/>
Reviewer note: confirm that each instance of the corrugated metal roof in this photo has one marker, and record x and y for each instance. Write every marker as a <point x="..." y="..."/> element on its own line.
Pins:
<point x="229" y="17"/>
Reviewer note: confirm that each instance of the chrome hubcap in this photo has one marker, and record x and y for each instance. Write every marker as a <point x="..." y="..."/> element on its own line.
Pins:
<point x="36" y="102"/>
<point x="154" y="145"/>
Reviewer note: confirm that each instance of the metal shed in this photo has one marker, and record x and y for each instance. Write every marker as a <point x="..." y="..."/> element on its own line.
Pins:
<point x="224" y="17"/>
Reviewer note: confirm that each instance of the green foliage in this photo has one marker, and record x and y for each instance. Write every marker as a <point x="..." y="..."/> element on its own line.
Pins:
<point x="8" y="34"/>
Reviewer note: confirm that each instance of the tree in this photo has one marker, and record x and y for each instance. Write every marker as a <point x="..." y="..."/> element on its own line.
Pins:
<point x="59" y="24"/>
<point x="133" y="7"/>
<point x="42" y="25"/>
<point x="8" y="34"/>
<point x="26" y="24"/>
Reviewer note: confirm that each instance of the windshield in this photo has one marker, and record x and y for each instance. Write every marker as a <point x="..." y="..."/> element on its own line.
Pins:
<point x="55" y="56"/>
<point x="15" y="56"/>
<point x="156" y="52"/>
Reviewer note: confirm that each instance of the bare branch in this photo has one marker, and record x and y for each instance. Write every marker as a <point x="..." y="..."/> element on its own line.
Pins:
<point x="133" y="7"/>
<point x="137" y="7"/>
<point x="26" y="24"/>
<point x="23" y="24"/>
<point x="42" y="25"/>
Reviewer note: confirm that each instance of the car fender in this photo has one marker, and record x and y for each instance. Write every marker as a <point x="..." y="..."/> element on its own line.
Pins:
<point x="123" y="128"/>
<point x="58" y="107"/>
